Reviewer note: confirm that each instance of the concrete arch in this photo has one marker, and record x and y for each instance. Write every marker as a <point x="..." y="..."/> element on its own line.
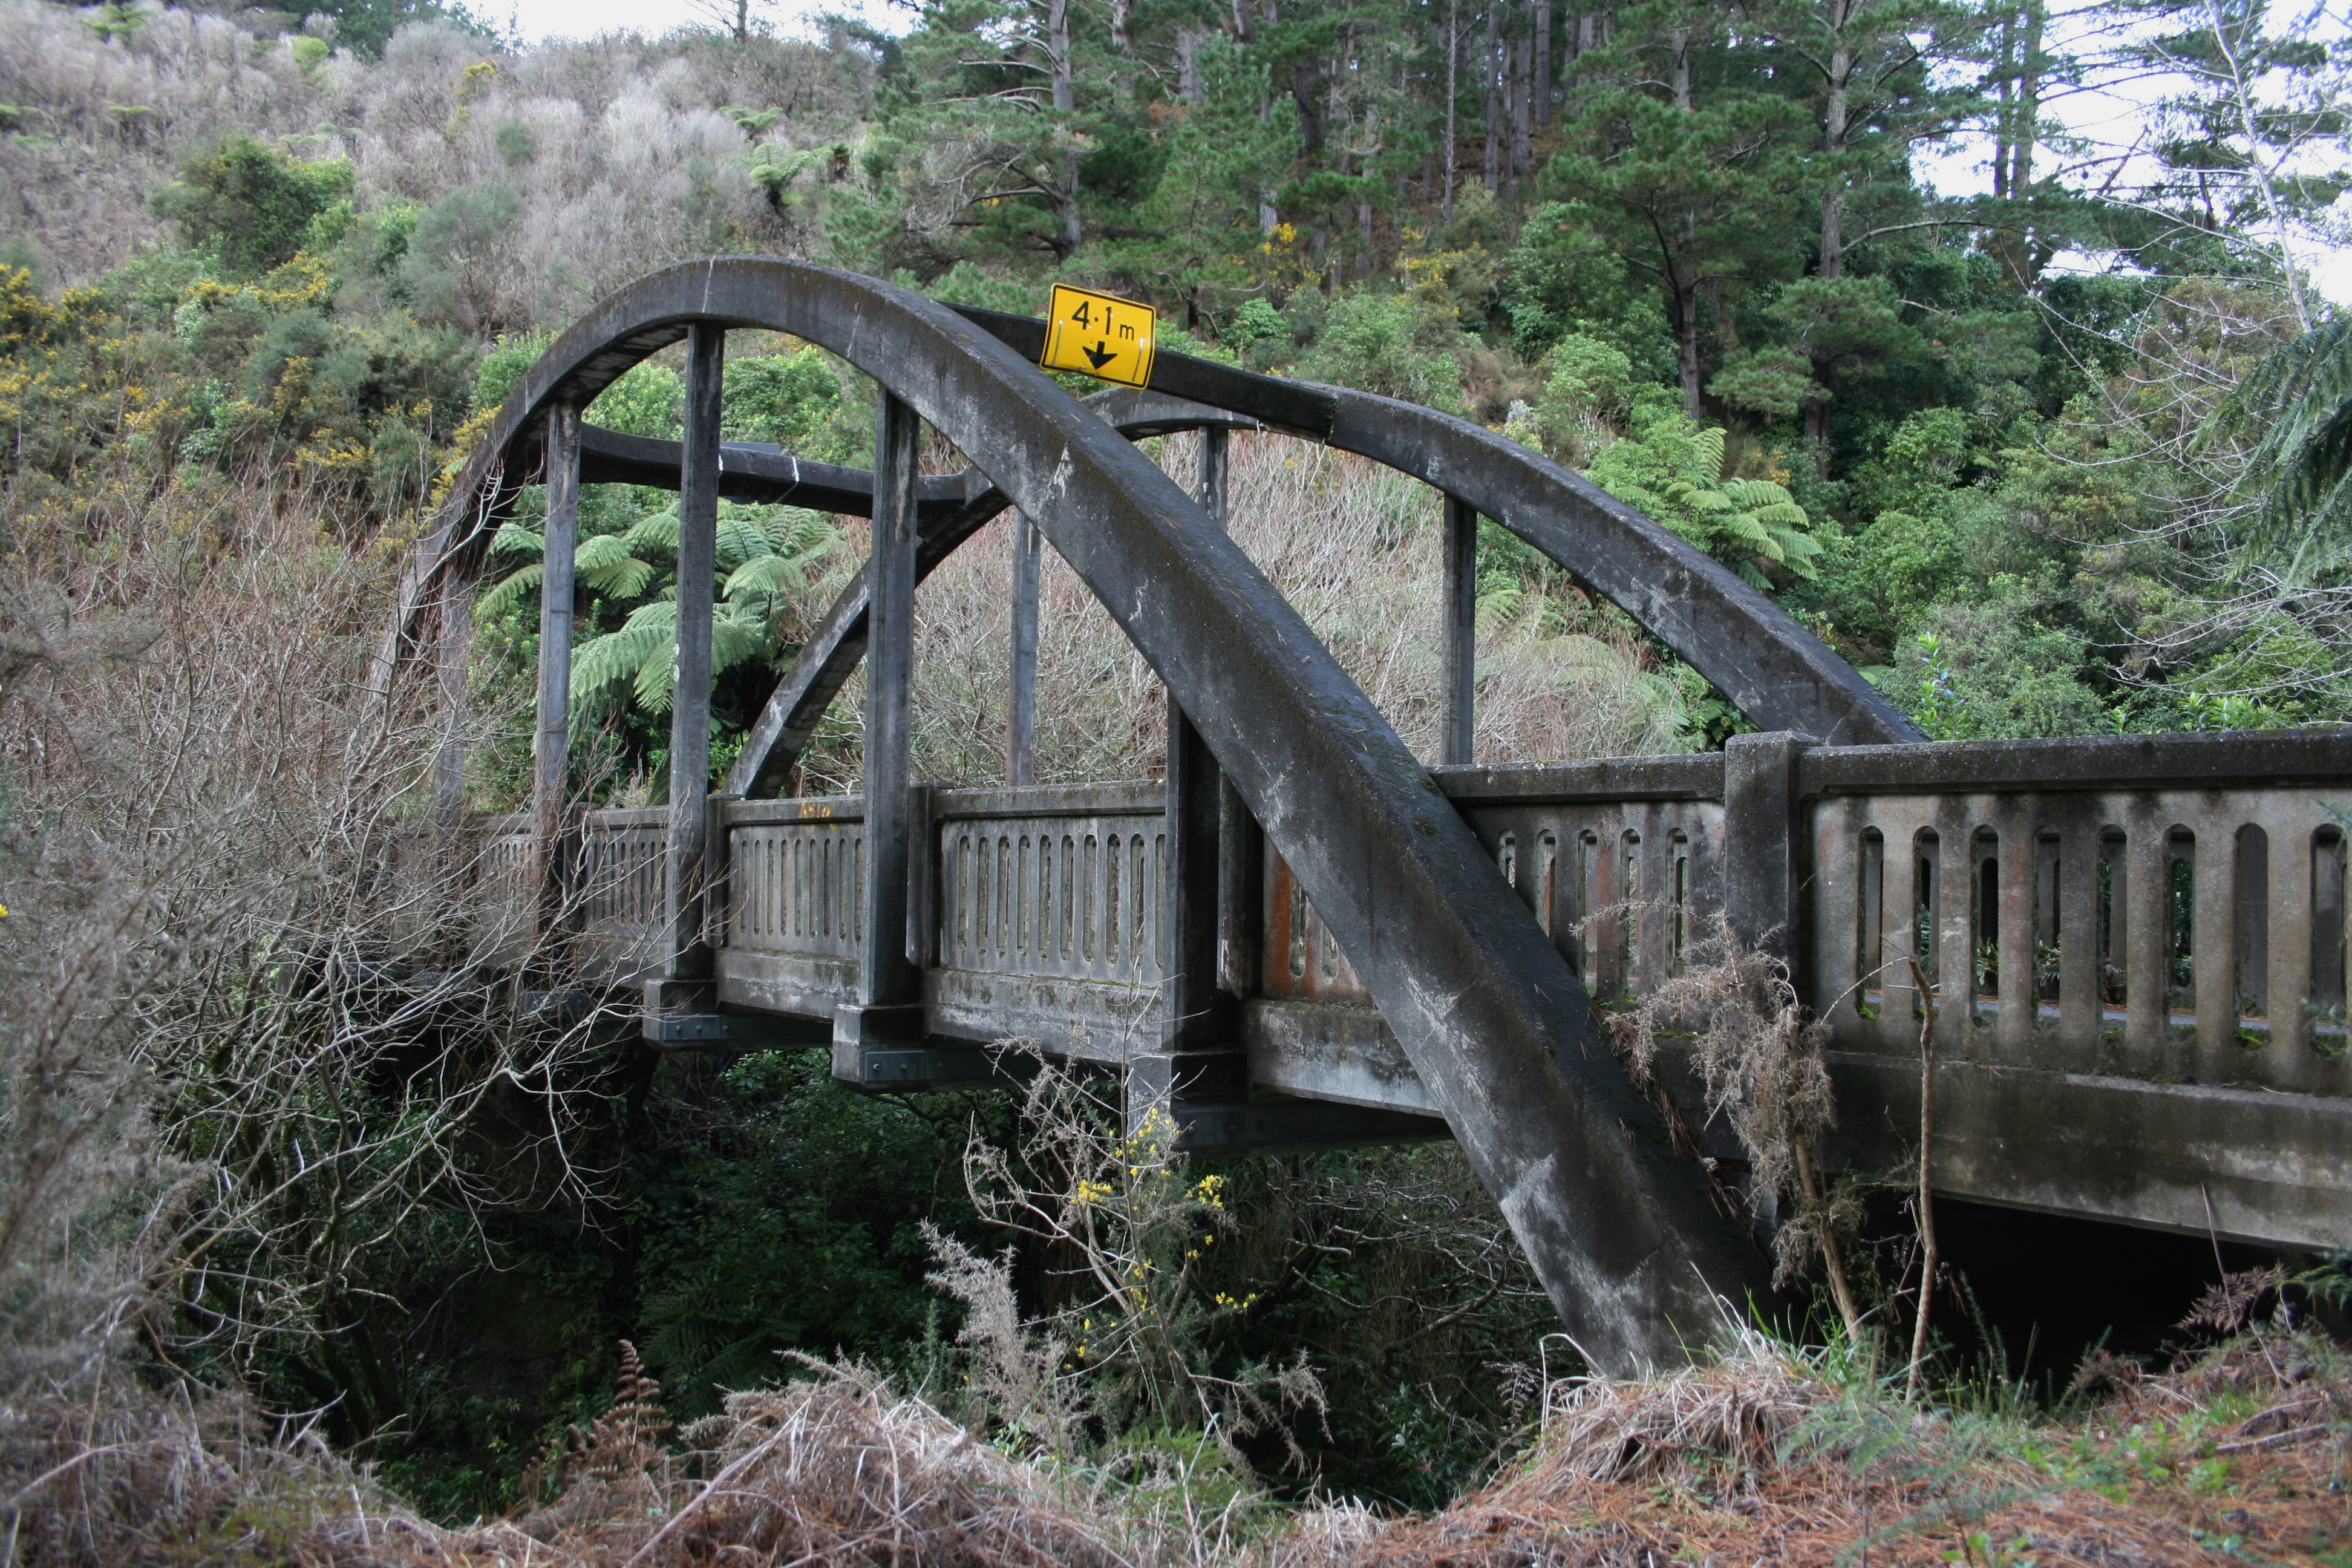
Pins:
<point x="1623" y="1233"/>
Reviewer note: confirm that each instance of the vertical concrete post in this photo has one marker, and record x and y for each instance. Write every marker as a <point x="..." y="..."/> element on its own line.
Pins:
<point x="552" y="763"/>
<point x="1194" y="1016"/>
<point x="1217" y="451"/>
<point x="1457" y="711"/>
<point x="689" y="712"/>
<point x="889" y="985"/>
<point x="450" y="659"/>
<point x="1763" y="873"/>
<point x="1021" y="727"/>
<point x="1240" y="846"/>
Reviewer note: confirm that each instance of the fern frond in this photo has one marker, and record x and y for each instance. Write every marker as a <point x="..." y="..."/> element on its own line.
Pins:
<point x="648" y="636"/>
<point x="765" y="577"/>
<point x="1708" y="447"/>
<point x="805" y="533"/>
<point x="508" y="590"/>
<point x="742" y="539"/>
<point x="1757" y="494"/>
<point x="1498" y="605"/>
<point x="514" y="539"/>
<point x="656" y="679"/>
<point x="734" y="642"/>
<point x="657" y="532"/>
<point x="606" y="566"/>
<point x="1749" y="534"/>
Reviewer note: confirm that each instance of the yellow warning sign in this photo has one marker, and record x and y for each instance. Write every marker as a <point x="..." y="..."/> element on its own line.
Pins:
<point x="1100" y="335"/>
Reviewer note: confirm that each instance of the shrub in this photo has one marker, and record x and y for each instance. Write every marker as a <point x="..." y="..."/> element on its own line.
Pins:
<point x="257" y="203"/>
<point x="1381" y="342"/>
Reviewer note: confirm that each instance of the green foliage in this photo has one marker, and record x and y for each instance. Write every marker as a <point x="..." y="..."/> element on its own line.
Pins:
<point x="1992" y="671"/>
<point x="1585" y="398"/>
<point x="648" y="399"/>
<point x="1674" y="471"/>
<point x="2300" y="400"/>
<point x="1397" y="345"/>
<point x="792" y="399"/>
<point x="504" y="363"/>
<point x="256" y="205"/>
<point x="789" y="1220"/>
<point x="452" y="265"/>
<point x="365" y="26"/>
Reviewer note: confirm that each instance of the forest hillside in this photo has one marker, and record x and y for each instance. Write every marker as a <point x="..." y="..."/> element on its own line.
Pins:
<point x="291" y="1275"/>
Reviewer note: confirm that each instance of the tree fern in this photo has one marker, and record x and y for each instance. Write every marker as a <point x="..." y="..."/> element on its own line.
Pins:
<point x="607" y="565"/>
<point x="1674" y="471"/>
<point x="654" y="532"/>
<point x="2300" y="398"/>
<point x="642" y="655"/>
<point x="508" y="590"/>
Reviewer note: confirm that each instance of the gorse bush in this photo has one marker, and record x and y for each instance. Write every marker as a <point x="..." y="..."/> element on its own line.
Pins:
<point x="257" y="205"/>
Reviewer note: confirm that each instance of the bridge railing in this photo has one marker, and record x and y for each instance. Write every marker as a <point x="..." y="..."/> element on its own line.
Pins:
<point x="615" y="882"/>
<point x="2167" y="911"/>
<point x="2170" y="909"/>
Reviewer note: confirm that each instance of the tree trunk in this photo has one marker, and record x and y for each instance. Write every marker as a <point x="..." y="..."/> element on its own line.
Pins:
<point x="1543" y="62"/>
<point x="2005" y="84"/>
<point x="1057" y="52"/>
<point x="1304" y="79"/>
<point x="1817" y="403"/>
<point x="1835" y="99"/>
<point x="1066" y="200"/>
<point x="1494" y="96"/>
<point x="1188" y="66"/>
<point x="1682" y="313"/>
<point x="1522" y="56"/>
<point x="1243" y="33"/>
<point x="1453" y="60"/>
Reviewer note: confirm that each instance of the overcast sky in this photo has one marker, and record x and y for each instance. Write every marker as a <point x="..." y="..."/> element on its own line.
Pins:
<point x="2113" y="117"/>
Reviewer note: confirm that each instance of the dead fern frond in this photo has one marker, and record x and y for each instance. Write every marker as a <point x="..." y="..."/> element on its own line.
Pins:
<point x="2229" y="1305"/>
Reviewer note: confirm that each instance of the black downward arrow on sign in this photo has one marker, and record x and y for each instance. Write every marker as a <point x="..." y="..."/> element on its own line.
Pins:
<point x="1096" y="357"/>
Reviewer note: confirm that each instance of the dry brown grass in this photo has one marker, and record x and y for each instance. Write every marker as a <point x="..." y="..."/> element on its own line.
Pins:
<point x="1355" y="547"/>
<point x="1763" y="1457"/>
<point x="1760" y="1460"/>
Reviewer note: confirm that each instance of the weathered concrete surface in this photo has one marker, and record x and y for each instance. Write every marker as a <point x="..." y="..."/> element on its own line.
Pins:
<point x="1622" y="1232"/>
<point x="2238" y="760"/>
<point x="2278" y="1167"/>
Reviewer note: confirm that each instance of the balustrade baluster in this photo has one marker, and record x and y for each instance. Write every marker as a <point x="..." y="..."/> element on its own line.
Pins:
<point x="2082" y="1010"/>
<point x="2290" y="915"/>
<point x="2214" y="952"/>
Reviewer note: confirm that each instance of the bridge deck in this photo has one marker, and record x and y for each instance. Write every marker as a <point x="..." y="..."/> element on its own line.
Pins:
<point x="2134" y="952"/>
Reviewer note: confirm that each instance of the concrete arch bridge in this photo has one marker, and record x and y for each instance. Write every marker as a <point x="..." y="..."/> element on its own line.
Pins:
<point x="2134" y="948"/>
